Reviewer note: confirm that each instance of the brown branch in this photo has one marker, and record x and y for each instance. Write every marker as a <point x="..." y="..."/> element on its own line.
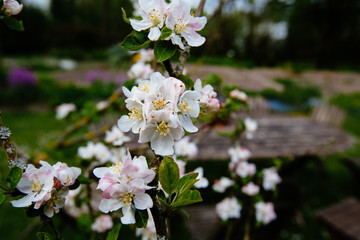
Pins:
<point x="200" y="8"/>
<point x="170" y="69"/>
<point x="8" y="146"/>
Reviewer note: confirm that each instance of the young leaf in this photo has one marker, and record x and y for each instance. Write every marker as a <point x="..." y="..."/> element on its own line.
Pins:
<point x="165" y="33"/>
<point x="13" y="23"/>
<point x="135" y="41"/>
<point x="169" y="175"/>
<point x="164" y="50"/>
<point x="124" y="16"/>
<point x="189" y="83"/>
<point x="14" y="177"/>
<point x="2" y="198"/>
<point x="187" y="198"/>
<point x="186" y="182"/>
<point x="162" y="198"/>
<point x="84" y="180"/>
<point x="141" y="217"/>
<point x="41" y="236"/>
<point x="186" y="214"/>
<point x="114" y="233"/>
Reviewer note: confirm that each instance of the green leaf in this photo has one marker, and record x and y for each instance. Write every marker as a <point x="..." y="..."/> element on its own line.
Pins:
<point x="13" y="23"/>
<point x="14" y="177"/>
<point x="41" y="235"/>
<point x="165" y="33"/>
<point x="135" y="41"/>
<point x="162" y="198"/>
<point x="84" y="180"/>
<point x="187" y="198"/>
<point x="169" y="175"/>
<point x="141" y="217"/>
<point x="124" y="16"/>
<point x="114" y="233"/>
<point x="164" y="50"/>
<point x="189" y="83"/>
<point x="2" y="198"/>
<point x="186" y="182"/>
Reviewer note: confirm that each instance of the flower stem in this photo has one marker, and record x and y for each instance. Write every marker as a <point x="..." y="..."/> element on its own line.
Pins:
<point x="51" y="224"/>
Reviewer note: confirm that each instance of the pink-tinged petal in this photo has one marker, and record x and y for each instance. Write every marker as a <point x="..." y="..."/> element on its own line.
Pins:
<point x="197" y="23"/>
<point x="162" y="145"/>
<point x="140" y="25"/>
<point x="129" y="215"/>
<point x="101" y="171"/>
<point x="176" y="40"/>
<point x="170" y="21"/>
<point x="146" y="134"/>
<point x="143" y="201"/>
<point x="187" y="123"/>
<point x="24" y="185"/>
<point x="154" y="34"/>
<point x="193" y="38"/>
<point x="110" y="205"/>
<point x="125" y="123"/>
<point x="23" y="202"/>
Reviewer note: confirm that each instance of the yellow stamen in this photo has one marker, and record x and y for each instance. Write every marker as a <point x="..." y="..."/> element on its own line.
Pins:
<point x="184" y="106"/>
<point x="135" y="114"/>
<point x="126" y="198"/>
<point x="163" y="129"/>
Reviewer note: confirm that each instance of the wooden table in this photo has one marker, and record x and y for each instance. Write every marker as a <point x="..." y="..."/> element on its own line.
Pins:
<point x="279" y="136"/>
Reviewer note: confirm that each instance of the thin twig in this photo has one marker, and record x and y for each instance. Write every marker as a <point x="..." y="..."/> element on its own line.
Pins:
<point x="51" y="224"/>
<point x="200" y="8"/>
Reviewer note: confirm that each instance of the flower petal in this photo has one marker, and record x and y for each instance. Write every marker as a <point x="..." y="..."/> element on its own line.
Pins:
<point x="143" y="201"/>
<point x="110" y="205"/>
<point x="154" y="33"/>
<point x="140" y="25"/>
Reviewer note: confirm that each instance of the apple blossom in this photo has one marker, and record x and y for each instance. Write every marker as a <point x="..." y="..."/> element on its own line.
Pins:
<point x="153" y="17"/>
<point x="250" y="189"/>
<point x="203" y="182"/>
<point x="239" y="154"/>
<point x="140" y="71"/>
<point x="188" y="107"/>
<point x="245" y="169"/>
<point x="64" y="109"/>
<point x="222" y="184"/>
<point x="271" y="178"/>
<point x="237" y="94"/>
<point x="66" y="175"/>
<point x="11" y="7"/>
<point x="102" y="224"/>
<point x="207" y="99"/>
<point x="116" y="136"/>
<point x="265" y="212"/>
<point x="55" y="202"/>
<point x="250" y="127"/>
<point x="87" y="152"/>
<point x="228" y="208"/>
<point x="183" y="24"/>
<point x="185" y="148"/>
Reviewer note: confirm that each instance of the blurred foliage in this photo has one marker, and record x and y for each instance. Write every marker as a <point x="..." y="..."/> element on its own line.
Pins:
<point x="292" y="93"/>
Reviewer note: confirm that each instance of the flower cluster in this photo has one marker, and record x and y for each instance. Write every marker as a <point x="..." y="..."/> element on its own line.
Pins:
<point x="248" y="178"/>
<point x="11" y="7"/>
<point x="161" y="109"/>
<point x="141" y="69"/>
<point x="176" y="16"/>
<point x="124" y="185"/>
<point x="5" y="133"/>
<point x="46" y="186"/>
<point x="102" y="224"/>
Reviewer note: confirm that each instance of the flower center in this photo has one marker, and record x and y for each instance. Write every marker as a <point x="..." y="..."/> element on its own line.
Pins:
<point x="180" y="26"/>
<point x="163" y="128"/>
<point x="135" y="114"/>
<point x="36" y="187"/>
<point x="145" y="87"/>
<point x="158" y="102"/>
<point x="126" y="198"/>
<point x="154" y="16"/>
<point x="117" y="167"/>
<point x="184" y="106"/>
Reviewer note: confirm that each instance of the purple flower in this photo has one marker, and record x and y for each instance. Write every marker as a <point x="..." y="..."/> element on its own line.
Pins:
<point x="92" y="76"/>
<point x="21" y="76"/>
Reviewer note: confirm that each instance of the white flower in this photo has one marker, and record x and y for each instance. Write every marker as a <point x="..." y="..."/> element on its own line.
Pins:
<point x="66" y="175"/>
<point x="12" y="7"/>
<point x="250" y="189"/>
<point x="222" y="184"/>
<point x="250" y="127"/>
<point x="265" y="212"/>
<point x="135" y="120"/>
<point x="118" y="155"/>
<point x="228" y="208"/>
<point x="116" y="136"/>
<point x="102" y="153"/>
<point x="102" y="224"/>
<point x="67" y="64"/>
<point x="5" y="133"/>
<point x="153" y="17"/>
<point x="183" y="24"/>
<point x="208" y="96"/>
<point x="185" y="148"/>
<point x="188" y="107"/>
<point x="245" y="169"/>
<point x="271" y="178"/>
<point x="161" y="134"/>
<point x="237" y="94"/>
<point x="64" y="109"/>
<point x="102" y="105"/>
<point x="203" y="182"/>
<point x="36" y="184"/>
<point x="239" y="154"/>
<point x="87" y="152"/>
<point x="140" y="71"/>
<point x="146" y="55"/>
<point x="55" y="202"/>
